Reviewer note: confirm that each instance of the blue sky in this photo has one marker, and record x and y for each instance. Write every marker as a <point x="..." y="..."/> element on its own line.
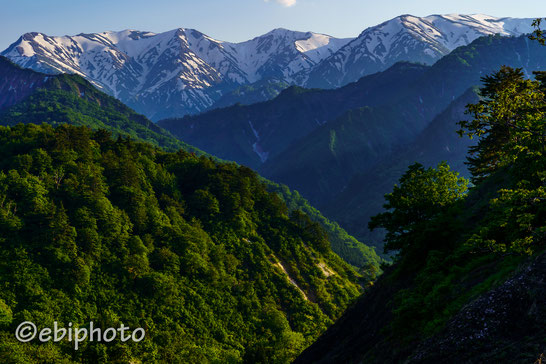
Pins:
<point x="233" y="20"/>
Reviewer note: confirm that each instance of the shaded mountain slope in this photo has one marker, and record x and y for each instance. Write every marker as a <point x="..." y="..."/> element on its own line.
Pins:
<point x="17" y="83"/>
<point x="320" y="161"/>
<point x="503" y="324"/>
<point x="445" y="299"/>
<point x="256" y="133"/>
<point x="467" y="285"/>
<point x="298" y="123"/>
<point x="363" y="196"/>
<point x="365" y="138"/>
<point x="251" y="94"/>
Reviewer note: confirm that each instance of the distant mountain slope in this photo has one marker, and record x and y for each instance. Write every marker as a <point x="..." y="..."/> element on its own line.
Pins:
<point x="408" y="38"/>
<point x="363" y="195"/>
<point x="361" y="124"/>
<point x="17" y="83"/>
<point x="361" y="137"/>
<point x="173" y="73"/>
<point x="256" y="133"/>
<point x="253" y="93"/>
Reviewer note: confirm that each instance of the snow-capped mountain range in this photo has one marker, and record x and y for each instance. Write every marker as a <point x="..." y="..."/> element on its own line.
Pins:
<point x="176" y="72"/>
<point x="184" y="71"/>
<point x="408" y="38"/>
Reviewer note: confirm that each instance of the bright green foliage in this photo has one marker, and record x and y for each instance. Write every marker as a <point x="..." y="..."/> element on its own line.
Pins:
<point x="539" y="34"/>
<point x="511" y="121"/>
<point x="111" y="231"/>
<point x="343" y="244"/>
<point x="423" y="193"/>
<point x="517" y="221"/>
<point x="69" y="99"/>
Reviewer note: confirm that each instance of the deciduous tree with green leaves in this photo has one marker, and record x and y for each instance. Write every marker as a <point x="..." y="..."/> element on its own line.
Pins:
<point x="422" y="193"/>
<point x="510" y="121"/>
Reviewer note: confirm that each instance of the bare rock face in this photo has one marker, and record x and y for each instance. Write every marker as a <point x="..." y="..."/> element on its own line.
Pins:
<point x="503" y="325"/>
<point x="507" y="324"/>
<point x="15" y="86"/>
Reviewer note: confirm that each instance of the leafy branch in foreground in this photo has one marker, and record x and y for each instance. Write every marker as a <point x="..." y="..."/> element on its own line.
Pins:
<point x="539" y="34"/>
<point x="511" y="123"/>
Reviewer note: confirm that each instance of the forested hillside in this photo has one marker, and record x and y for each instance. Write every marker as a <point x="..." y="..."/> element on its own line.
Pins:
<point x="322" y="164"/>
<point x="351" y="250"/>
<point x="197" y="252"/>
<point x="363" y="196"/>
<point x="32" y="97"/>
<point x="254" y="134"/>
<point x="251" y="94"/>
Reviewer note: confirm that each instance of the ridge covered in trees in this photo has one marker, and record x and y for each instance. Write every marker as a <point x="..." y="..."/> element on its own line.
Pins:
<point x="70" y="99"/>
<point x="197" y="252"/>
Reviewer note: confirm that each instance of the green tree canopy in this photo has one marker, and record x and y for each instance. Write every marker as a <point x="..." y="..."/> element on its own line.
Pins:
<point x="509" y="121"/>
<point x="195" y="251"/>
<point x="422" y="194"/>
<point x="539" y="33"/>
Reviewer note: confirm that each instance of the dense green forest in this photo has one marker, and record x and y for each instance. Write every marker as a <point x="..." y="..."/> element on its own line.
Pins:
<point x="69" y="99"/>
<point x="361" y="256"/>
<point x="62" y="107"/>
<point x="98" y="229"/>
<point x="450" y="296"/>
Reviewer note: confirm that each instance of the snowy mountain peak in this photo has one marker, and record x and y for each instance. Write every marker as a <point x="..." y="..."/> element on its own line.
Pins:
<point x="409" y="38"/>
<point x="182" y="69"/>
<point x="279" y="32"/>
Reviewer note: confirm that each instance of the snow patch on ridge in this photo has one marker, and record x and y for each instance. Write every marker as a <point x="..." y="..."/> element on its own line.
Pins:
<point x="256" y="147"/>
